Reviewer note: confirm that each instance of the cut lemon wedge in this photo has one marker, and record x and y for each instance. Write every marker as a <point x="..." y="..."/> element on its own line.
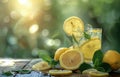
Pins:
<point x="71" y="59"/>
<point x="60" y="72"/>
<point x="73" y="25"/>
<point x="41" y="66"/>
<point x="58" y="52"/>
<point x="89" y="47"/>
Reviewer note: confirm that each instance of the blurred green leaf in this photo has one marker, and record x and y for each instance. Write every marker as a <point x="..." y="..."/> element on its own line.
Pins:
<point x="106" y="66"/>
<point x="22" y="71"/>
<point x="45" y="56"/>
<point x="75" y="40"/>
<point x="97" y="58"/>
<point x="8" y="73"/>
<point x="87" y="36"/>
<point x="84" y="66"/>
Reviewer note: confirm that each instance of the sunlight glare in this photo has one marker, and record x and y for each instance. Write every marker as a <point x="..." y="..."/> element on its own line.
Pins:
<point x="24" y="2"/>
<point x="7" y="63"/>
<point x="34" y="28"/>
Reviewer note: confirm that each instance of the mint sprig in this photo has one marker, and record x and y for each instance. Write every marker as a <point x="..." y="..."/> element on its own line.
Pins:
<point x="11" y="73"/>
<point x="8" y="73"/>
<point x="46" y="57"/>
<point x="87" y="36"/>
<point x="84" y="66"/>
<point x="97" y="58"/>
<point x="75" y="40"/>
<point x="97" y="63"/>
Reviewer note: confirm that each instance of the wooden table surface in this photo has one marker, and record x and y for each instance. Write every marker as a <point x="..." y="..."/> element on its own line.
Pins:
<point x="16" y="64"/>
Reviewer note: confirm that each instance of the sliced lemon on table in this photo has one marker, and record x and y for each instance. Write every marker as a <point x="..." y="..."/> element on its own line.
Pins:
<point x="60" y="72"/>
<point x="71" y="59"/>
<point x="88" y="71"/>
<point x="58" y="52"/>
<point x="98" y="74"/>
<point x="73" y="25"/>
<point x="95" y="73"/>
<point x="41" y="66"/>
<point x="89" y="47"/>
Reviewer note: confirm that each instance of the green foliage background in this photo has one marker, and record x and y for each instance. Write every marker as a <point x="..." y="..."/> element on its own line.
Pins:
<point x="104" y="14"/>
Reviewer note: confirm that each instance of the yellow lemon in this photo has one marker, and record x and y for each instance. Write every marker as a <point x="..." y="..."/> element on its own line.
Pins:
<point x="73" y="25"/>
<point x="41" y="66"/>
<point x="89" y="47"/>
<point x="60" y="72"/>
<point x="58" y="52"/>
<point x="112" y="57"/>
<point x="71" y="59"/>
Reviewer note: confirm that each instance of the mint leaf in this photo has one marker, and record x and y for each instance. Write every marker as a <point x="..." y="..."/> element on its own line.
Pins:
<point x="74" y="40"/>
<point x="53" y="63"/>
<point x="8" y="73"/>
<point x="22" y="71"/>
<point x="100" y="69"/>
<point x="106" y="67"/>
<point x="87" y="36"/>
<point x="45" y="56"/>
<point x="97" y="58"/>
<point x="98" y="62"/>
<point x="84" y="66"/>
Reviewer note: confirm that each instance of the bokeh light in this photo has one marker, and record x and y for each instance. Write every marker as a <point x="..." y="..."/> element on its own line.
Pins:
<point x="25" y="2"/>
<point x="33" y="28"/>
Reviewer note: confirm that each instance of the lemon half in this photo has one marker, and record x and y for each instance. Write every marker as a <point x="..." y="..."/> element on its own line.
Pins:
<point x="71" y="59"/>
<point x="58" y="52"/>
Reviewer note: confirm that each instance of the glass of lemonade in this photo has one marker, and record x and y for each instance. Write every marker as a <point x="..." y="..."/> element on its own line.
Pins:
<point x="89" y="42"/>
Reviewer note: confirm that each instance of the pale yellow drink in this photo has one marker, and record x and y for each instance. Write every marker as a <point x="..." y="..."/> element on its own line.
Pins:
<point x="89" y="45"/>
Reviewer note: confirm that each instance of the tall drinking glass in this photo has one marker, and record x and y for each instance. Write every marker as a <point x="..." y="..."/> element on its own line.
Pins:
<point x="88" y="42"/>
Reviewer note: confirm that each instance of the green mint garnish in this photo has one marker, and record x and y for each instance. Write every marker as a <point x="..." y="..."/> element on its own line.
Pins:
<point x="84" y="66"/>
<point x="8" y="73"/>
<point x="97" y="63"/>
<point x="87" y="36"/>
<point x="46" y="57"/>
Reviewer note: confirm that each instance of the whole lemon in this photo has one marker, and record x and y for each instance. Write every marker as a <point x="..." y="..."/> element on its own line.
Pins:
<point x="112" y="57"/>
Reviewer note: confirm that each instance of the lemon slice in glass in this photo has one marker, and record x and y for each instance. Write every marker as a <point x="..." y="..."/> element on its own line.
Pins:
<point x="73" y="25"/>
<point x="89" y="47"/>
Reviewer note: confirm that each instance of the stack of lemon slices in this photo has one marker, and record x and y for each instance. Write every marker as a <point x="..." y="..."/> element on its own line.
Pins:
<point x="71" y="58"/>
